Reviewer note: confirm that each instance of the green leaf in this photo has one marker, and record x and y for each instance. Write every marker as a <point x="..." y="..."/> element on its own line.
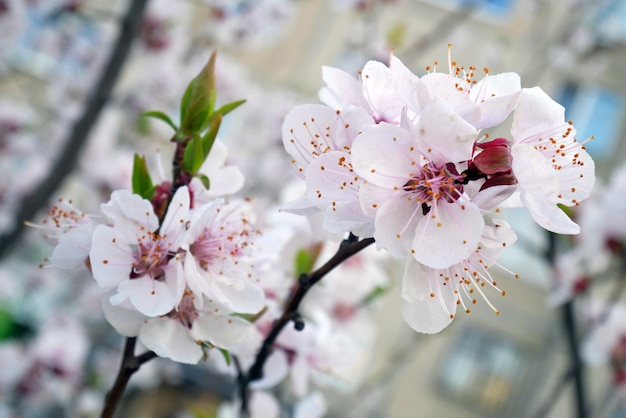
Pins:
<point x="303" y="262"/>
<point x="209" y="137"/>
<point x="226" y="355"/>
<point x="194" y="156"/>
<point x="199" y="99"/>
<point x="205" y="181"/>
<point x="6" y="325"/>
<point x="229" y="107"/>
<point x="141" y="181"/>
<point x="162" y="117"/>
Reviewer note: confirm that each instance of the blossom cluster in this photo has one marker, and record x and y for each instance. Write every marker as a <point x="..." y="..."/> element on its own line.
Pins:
<point x="410" y="161"/>
<point x="175" y="282"/>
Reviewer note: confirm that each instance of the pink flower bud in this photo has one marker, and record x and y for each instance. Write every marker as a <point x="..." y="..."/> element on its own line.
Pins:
<point x="495" y="157"/>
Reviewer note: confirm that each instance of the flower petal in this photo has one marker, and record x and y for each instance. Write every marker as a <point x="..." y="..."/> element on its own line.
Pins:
<point x="426" y="306"/>
<point x="448" y="234"/>
<point x="226" y="332"/>
<point x="110" y="257"/>
<point x="168" y="338"/>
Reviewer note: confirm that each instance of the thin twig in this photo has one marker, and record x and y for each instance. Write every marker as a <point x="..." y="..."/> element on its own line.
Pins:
<point x="349" y="247"/>
<point x="128" y="366"/>
<point x="70" y="154"/>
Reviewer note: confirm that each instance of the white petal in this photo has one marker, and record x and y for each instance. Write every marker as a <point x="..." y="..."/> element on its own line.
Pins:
<point x="421" y="310"/>
<point x="341" y="89"/>
<point x="222" y="331"/>
<point x="395" y="225"/>
<point x="168" y="338"/>
<point x="496" y="96"/>
<point x="539" y="186"/>
<point x="385" y="155"/>
<point x="312" y="406"/>
<point x="448" y="234"/>
<point x="176" y="218"/>
<point x="330" y="178"/>
<point x="150" y="297"/>
<point x="443" y="136"/>
<point x="130" y="213"/>
<point x="110" y="257"/>
<point x="73" y="247"/>
<point x="126" y="322"/>
<point x="536" y="112"/>
<point x="301" y="206"/>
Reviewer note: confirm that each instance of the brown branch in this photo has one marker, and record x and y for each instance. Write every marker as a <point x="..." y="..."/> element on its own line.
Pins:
<point x="128" y="366"/>
<point x="347" y="249"/>
<point x="70" y="154"/>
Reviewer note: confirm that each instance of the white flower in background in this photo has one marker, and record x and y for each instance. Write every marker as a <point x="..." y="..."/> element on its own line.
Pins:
<point x="431" y="296"/>
<point x="550" y="166"/>
<point x="71" y="230"/>
<point x="218" y="261"/>
<point x="137" y="256"/>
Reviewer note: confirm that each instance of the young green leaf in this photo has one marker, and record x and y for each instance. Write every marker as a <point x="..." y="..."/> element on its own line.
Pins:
<point x="208" y="139"/>
<point x="162" y="117"/>
<point x="194" y="156"/>
<point x="303" y="262"/>
<point x="229" y="107"/>
<point x="141" y="181"/>
<point x="199" y="99"/>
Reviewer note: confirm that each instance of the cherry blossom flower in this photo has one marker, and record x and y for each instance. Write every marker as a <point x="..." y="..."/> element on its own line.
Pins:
<point x="550" y="165"/>
<point x="431" y="296"/>
<point x="137" y="256"/>
<point x="414" y="190"/>
<point x="218" y="262"/>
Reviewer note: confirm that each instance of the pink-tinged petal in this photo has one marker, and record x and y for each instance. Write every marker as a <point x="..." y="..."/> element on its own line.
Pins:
<point x="126" y="322"/>
<point x="342" y="89"/>
<point x="168" y="338"/>
<point x="385" y="155"/>
<point x="73" y="247"/>
<point x="226" y="332"/>
<point x="497" y="97"/>
<point x="443" y="136"/>
<point x="130" y="213"/>
<point x="448" y="234"/>
<point x="150" y="297"/>
<point x="499" y="236"/>
<point x="110" y="257"/>
<point x="539" y="186"/>
<point x="176" y="218"/>
<point x="395" y="224"/>
<point x="426" y="306"/>
<point x="489" y="198"/>
<point x="274" y="371"/>
<point x="536" y="112"/>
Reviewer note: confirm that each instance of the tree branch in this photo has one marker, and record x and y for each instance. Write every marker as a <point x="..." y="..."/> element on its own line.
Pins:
<point x="128" y="366"/>
<point x="67" y="159"/>
<point x="349" y="247"/>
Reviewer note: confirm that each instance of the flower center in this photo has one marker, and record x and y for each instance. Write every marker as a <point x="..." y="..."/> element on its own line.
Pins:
<point x="151" y="255"/>
<point x="433" y="183"/>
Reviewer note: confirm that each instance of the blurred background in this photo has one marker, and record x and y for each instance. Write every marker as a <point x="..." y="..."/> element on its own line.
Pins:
<point x="56" y="141"/>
